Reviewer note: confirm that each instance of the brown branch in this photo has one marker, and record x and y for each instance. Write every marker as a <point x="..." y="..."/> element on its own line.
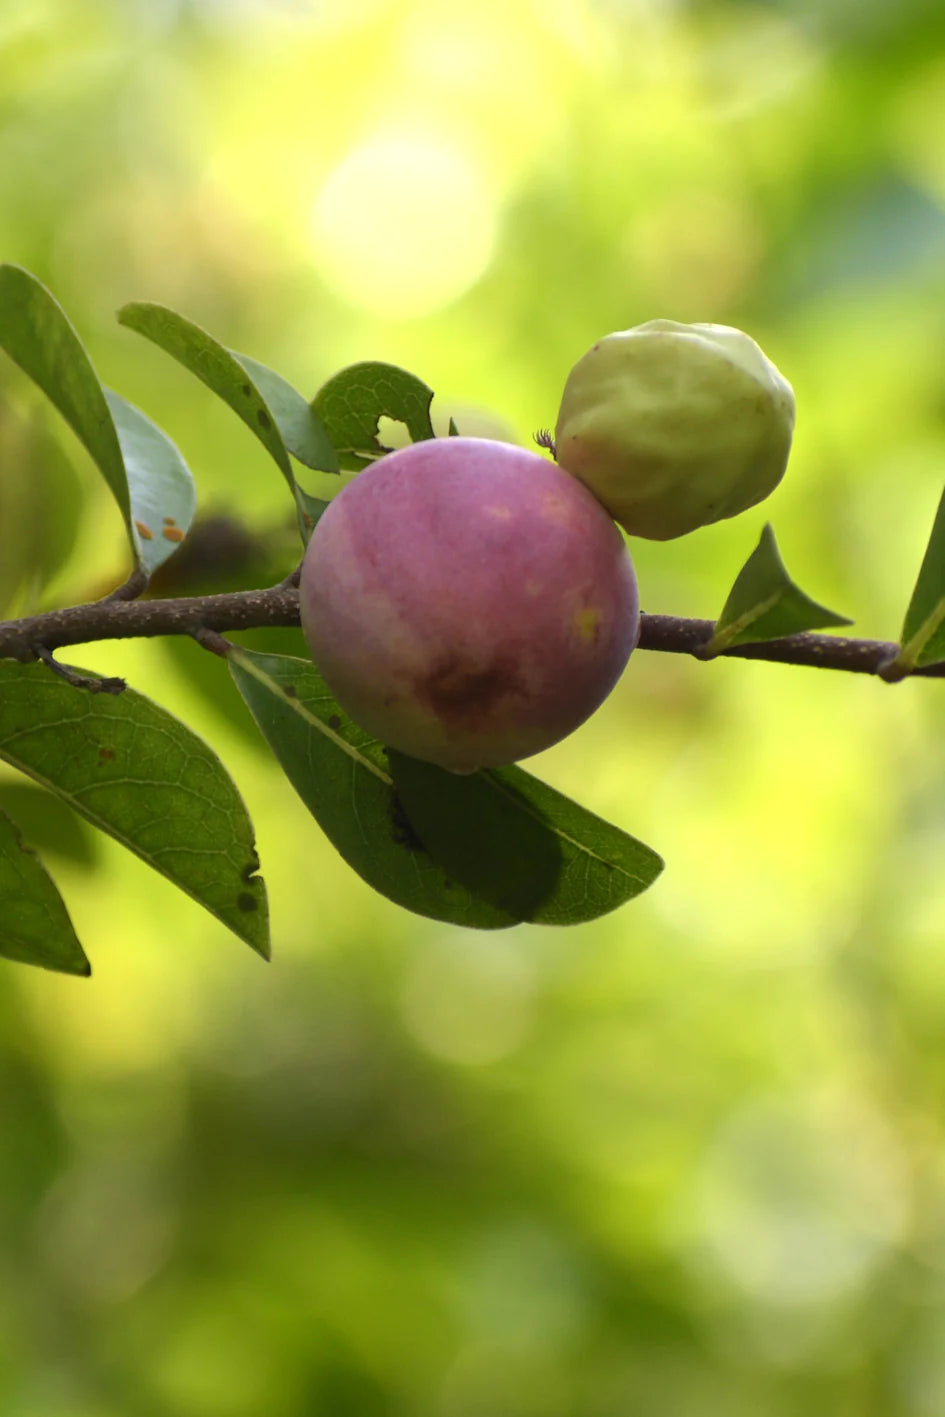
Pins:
<point x="675" y="635"/>
<point x="131" y="619"/>
<point x="38" y="635"/>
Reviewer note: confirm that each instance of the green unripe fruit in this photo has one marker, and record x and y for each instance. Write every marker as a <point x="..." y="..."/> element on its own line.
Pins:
<point x="675" y="426"/>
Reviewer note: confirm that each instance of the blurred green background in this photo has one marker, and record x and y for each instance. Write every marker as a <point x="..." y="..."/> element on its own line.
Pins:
<point x="689" y="1160"/>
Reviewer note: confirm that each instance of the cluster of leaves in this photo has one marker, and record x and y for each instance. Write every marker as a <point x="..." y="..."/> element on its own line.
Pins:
<point x="487" y="851"/>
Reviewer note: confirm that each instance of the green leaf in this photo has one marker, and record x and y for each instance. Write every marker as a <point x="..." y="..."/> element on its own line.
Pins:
<point x="923" y="631"/>
<point x="765" y="604"/>
<point x="303" y="432"/>
<point x="379" y="808"/>
<point x="517" y="843"/>
<point x="139" y="774"/>
<point x="36" y="333"/>
<point x="224" y="373"/>
<point x="34" y="924"/>
<point x="453" y="430"/>
<point x="342" y="777"/>
<point x="40" y="508"/>
<point x="163" y="497"/>
<point x="351" y="403"/>
<point x="48" y="824"/>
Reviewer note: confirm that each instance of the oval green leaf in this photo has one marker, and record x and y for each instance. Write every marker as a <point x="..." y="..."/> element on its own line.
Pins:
<point x="48" y="824"/>
<point x="226" y="375"/>
<point x="140" y="775"/>
<point x="34" y="924"/>
<point x="765" y="604"/>
<point x="411" y="830"/>
<point x="163" y="497"/>
<point x="40" y="508"/>
<point x="519" y="844"/>
<point x="352" y="402"/>
<point x="37" y="335"/>
<point x="342" y="777"/>
<point x="303" y="433"/>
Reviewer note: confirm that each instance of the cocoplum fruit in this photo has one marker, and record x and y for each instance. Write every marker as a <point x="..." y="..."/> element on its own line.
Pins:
<point x="675" y="426"/>
<point x="468" y="602"/>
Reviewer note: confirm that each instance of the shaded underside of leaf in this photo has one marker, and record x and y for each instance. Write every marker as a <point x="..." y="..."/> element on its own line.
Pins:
<point x="163" y="497"/>
<point x="34" y="924"/>
<point x="351" y="403"/>
<point x="923" y="631"/>
<point x="140" y="775"/>
<point x="303" y="432"/>
<point x="765" y="604"/>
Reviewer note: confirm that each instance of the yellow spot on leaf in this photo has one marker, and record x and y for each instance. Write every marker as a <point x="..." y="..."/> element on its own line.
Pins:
<point x="169" y="521"/>
<point x="144" y="531"/>
<point x="173" y="533"/>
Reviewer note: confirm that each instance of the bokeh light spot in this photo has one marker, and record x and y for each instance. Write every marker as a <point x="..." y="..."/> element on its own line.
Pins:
<point x="403" y="226"/>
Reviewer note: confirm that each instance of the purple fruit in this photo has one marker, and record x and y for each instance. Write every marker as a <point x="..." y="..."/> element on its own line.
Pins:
<point x="468" y="602"/>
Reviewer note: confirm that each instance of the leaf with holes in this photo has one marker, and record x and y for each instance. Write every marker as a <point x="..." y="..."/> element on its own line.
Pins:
<point x="765" y="604"/>
<point x="351" y="403"/>
<point x="34" y="924"/>
<point x="139" y="774"/>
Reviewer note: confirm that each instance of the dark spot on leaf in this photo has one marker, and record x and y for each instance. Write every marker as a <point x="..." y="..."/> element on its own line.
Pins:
<point x="247" y="902"/>
<point x="334" y="721"/>
<point x="106" y="754"/>
<point x="263" y="419"/>
<point x="247" y="390"/>
<point x="290" y="691"/>
<point x="249" y="871"/>
<point x="402" y="833"/>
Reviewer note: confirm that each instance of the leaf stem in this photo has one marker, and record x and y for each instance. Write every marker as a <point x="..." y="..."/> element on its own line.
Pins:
<point x="76" y="679"/>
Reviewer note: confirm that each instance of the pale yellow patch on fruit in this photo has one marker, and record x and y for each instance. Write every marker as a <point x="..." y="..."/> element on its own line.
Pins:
<point x="557" y="508"/>
<point x="587" y="623"/>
